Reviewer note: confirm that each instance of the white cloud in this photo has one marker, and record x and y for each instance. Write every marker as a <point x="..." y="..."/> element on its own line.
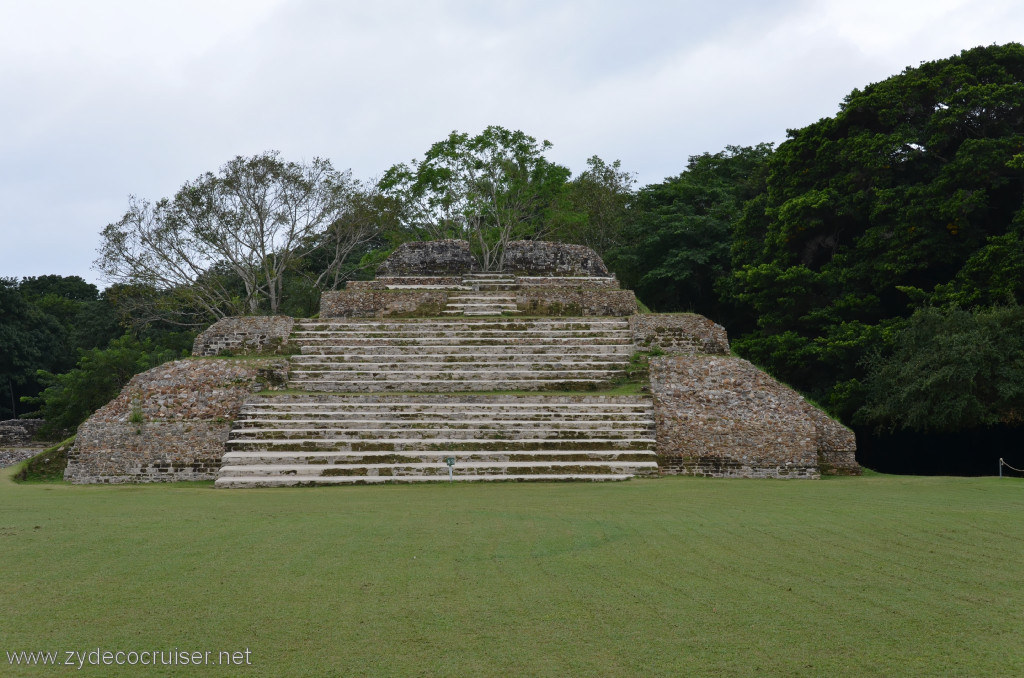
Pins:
<point x="107" y="98"/>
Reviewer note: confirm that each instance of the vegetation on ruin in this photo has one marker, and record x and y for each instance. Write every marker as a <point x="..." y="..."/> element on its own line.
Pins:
<point x="47" y="466"/>
<point x="870" y="576"/>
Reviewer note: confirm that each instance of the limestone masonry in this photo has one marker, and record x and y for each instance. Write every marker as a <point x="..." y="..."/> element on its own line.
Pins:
<point x="679" y="332"/>
<point x="169" y="423"/>
<point x="14" y="432"/>
<point x="439" y="278"/>
<point x="385" y="378"/>
<point x="432" y="258"/>
<point x="722" y="416"/>
<point x="248" y="334"/>
<point x="539" y="258"/>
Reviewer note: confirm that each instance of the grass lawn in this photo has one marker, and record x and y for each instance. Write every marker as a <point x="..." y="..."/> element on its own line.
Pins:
<point x="871" y="576"/>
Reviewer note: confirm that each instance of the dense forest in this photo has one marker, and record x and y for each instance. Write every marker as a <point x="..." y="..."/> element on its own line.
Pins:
<point x="873" y="260"/>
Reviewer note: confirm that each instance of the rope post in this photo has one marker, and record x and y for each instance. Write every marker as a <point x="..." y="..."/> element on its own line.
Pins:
<point x="1000" y="467"/>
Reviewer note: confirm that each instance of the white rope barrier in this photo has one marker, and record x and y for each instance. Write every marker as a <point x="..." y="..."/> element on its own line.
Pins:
<point x="1003" y="463"/>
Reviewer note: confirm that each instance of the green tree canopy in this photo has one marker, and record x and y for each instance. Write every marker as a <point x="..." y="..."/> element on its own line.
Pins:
<point x="678" y="239"/>
<point x="949" y="371"/>
<point x="489" y="189"/>
<point x="914" y="190"/>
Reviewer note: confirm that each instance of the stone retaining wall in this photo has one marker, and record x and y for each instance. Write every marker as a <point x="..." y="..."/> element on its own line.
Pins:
<point x="566" y="300"/>
<point x="679" y="333"/>
<point x="247" y="334"/>
<point x="723" y="417"/>
<point x="14" y="432"/>
<point x="429" y="258"/>
<point x="372" y="303"/>
<point x="169" y="423"/>
<point x="535" y="257"/>
<point x="837" y="445"/>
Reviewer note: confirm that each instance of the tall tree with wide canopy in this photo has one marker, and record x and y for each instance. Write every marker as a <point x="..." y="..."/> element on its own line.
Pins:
<point x="223" y="244"/>
<point x="488" y="189"/>
<point x="678" y="240"/>
<point x="888" y="205"/>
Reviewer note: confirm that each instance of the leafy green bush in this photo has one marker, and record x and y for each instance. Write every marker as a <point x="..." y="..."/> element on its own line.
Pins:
<point x="948" y="371"/>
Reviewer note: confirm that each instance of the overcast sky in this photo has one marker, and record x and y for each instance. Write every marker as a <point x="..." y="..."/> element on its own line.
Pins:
<point x="101" y="99"/>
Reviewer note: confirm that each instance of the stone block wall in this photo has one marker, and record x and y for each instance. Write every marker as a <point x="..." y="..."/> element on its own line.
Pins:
<point x="169" y="423"/>
<point x="535" y="257"/>
<point x="371" y="303"/>
<point x="679" y="333"/>
<point x="14" y="432"/>
<point x="572" y="300"/>
<point x="247" y="334"/>
<point x="837" y="445"/>
<point x="429" y="258"/>
<point x="723" y="417"/>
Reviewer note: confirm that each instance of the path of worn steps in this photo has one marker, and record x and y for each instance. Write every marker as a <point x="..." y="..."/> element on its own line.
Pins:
<point x="387" y="418"/>
<point x="315" y="440"/>
<point x="486" y="294"/>
<point x="466" y="354"/>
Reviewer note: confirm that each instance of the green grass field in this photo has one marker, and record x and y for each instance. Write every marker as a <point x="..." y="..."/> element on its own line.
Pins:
<point x="871" y="576"/>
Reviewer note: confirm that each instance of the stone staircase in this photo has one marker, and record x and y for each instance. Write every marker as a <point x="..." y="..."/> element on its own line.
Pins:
<point x="321" y="440"/>
<point x="375" y="410"/>
<point x="449" y="355"/>
<point x="489" y="294"/>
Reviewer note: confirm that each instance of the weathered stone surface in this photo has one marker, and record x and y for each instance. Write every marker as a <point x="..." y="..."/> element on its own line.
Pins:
<point x="245" y="334"/>
<point x="169" y="423"/>
<point x="837" y="445"/>
<point x="384" y="281"/>
<point x="544" y="300"/>
<point x="371" y="303"/>
<point x="429" y="258"/>
<point x="722" y="416"/>
<point x="572" y="300"/>
<point x="575" y="281"/>
<point x="679" y="333"/>
<point x="535" y="257"/>
<point x="15" y="432"/>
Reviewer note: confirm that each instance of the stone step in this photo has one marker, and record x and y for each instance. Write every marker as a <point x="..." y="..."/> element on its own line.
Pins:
<point x="311" y="481"/>
<point x="544" y="320"/>
<point x="387" y="419"/>
<point x="400" y="286"/>
<point x="311" y="440"/>
<point x="253" y="433"/>
<point x="447" y="417"/>
<point x="441" y="469"/>
<point x="463" y="370"/>
<point x="399" y="325"/>
<point x="515" y="368"/>
<point x="358" y="412"/>
<point x="476" y="296"/>
<point x="472" y="350"/>
<point x="504" y="342"/>
<point x="437" y="444"/>
<point x="435" y="403"/>
<point x="532" y="360"/>
<point x="509" y="331"/>
<point x="236" y="458"/>
<point x="398" y="416"/>
<point x="450" y="386"/>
